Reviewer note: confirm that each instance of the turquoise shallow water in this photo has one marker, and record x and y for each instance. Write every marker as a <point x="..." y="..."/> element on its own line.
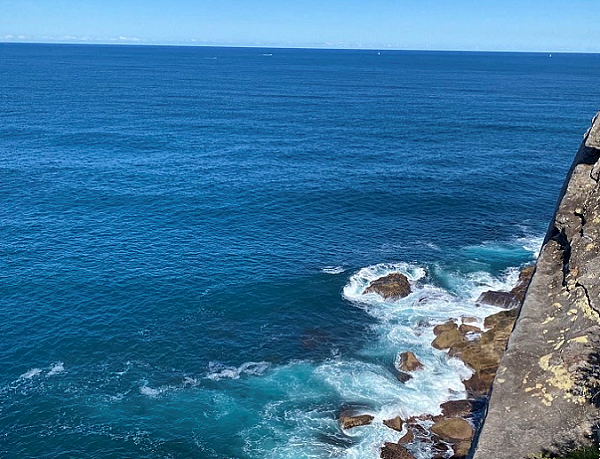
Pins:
<point x="185" y="234"/>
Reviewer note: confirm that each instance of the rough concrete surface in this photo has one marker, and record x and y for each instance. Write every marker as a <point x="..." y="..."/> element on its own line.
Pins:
<point x="547" y="389"/>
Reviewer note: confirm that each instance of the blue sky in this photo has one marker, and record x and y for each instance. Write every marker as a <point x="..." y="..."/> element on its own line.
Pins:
<point x="526" y="25"/>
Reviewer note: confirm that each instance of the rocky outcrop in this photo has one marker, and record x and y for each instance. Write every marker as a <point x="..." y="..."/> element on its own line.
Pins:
<point x="349" y="421"/>
<point x="544" y="396"/>
<point x="391" y="287"/>
<point x="499" y="299"/>
<point x="395" y="423"/>
<point x="395" y="451"/>
<point x="408" y="361"/>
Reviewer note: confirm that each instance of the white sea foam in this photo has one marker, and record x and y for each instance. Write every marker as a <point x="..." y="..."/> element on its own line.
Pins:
<point x="31" y="373"/>
<point x="150" y="391"/>
<point x="218" y="371"/>
<point x="532" y="244"/>
<point x="55" y="369"/>
<point x="333" y="270"/>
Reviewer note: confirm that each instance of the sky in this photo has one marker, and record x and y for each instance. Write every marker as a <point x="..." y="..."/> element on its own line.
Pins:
<point x="508" y="25"/>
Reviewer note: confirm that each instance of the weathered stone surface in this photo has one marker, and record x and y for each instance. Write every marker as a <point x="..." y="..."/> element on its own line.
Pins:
<point x="453" y="430"/>
<point x="592" y="139"/>
<point x="460" y="408"/>
<point x="448" y="336"/>
<point x="499" y="299"/>
<point x="524" y="279"/>
<point x="408" y="361"/>
<point x="542" y="394"/>
<point x="395" y="423"/>
<point x="395" y="451"/>
<point x="407" y="437"/>
<point x="349" y="421"/>
<point x="461" y="450"/>
<point x="391" y="287"/>
<point x="464" y="329"/>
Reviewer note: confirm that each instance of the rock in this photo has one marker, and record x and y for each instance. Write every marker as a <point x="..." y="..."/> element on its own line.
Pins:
<point x="524" y="279"/>
<point x="403" y="377"/>
<point x="448" y="338"/>
<point x="460" y="408"/>
<point x="408" y="361"/>
<point x="593" y="135"/>
<point x="504" y="300"/>
<point x="395" y="423"/>
<point x="407" y="438"/>
<point x="453" y="430"/>
<point x="349" y="421"/>
<point x="502" y="320"/>
<point x="469" y="320"/>
<point x="395" y="451"/>
<point x="464" y="329"/>
<point x="461" y="450"/>
<point x="391" y="287"/>
<point x="447" y="326"/>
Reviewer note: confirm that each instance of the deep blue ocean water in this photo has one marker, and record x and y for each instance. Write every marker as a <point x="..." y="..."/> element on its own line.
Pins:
<point x="185" y="235"/>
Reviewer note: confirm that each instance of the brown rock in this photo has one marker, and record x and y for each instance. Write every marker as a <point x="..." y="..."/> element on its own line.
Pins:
<point x="464" y="329"/>
<point x="502" y="320"/>
<point x="448" y="339"/>
<point x="407" y="438"/>
<point x="409" y="362"/>
<point x="403" y="377"/>
<point x="448" y="326"/>
<point x="348" y="421"/>
<point x="520" y="289"/>
<point x="391" y="287"/>
<point x="461" y="450"/>
<point x="395" y="451"/>
<point x="469" y="320"/>
<point x="453" y="430"/>
<point x="504" y="300"/>
<point x="476" y="386"/>
<point x="395" y="423"/>
<point x="460" y="408"/>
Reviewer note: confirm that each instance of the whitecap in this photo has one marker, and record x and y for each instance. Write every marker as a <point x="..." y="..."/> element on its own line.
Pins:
<point x="333" y="269"/>
<point x="31" y="373"/>
<point x="218" y="371"/>
<point x="55" y="369"/>
<point x="150" y="391"/>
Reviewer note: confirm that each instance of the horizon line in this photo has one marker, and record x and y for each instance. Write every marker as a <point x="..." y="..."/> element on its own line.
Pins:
<point x="116" y="42"/>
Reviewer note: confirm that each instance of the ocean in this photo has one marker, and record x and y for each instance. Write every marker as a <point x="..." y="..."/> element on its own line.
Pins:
<point x="186" y="234"/>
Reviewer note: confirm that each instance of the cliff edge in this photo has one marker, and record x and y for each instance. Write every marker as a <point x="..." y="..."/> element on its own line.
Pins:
<point x="546" y="394"/>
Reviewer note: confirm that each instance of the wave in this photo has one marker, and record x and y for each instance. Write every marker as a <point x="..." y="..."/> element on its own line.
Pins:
<point x="218" y="371"/>
<point x="333" y="270"/>
<point x="55" y="369"/>
<point x="31" y="373"/>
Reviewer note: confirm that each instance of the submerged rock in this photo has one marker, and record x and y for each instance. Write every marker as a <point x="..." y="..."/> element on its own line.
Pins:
<point x="403" y="377"/>
<point x="461" y="408"/>
<point x="349" y="421"/>
<point x="391" y="287"/>
<point x="395" y="423"/>
<point x="408" y="361"/>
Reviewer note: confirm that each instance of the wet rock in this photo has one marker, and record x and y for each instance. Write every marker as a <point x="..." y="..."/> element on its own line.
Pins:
<point x="349" y="421"/>
<point x="408" y="361"/>
<point x="469" y="320"/>
<point x="395" y="451"/>
<point x="504" y="300"/>
<point x="464" y="329"/>
<point x="395" y="423"/>
<point x="453" y="430"/>
<point x="407" y="438"/>
<point x="403" y="377"/>
<point x="460" y="408"/>
<point x="524" y="279"/>
<point x="448" y="336"/>
<point x="391" y="287"/>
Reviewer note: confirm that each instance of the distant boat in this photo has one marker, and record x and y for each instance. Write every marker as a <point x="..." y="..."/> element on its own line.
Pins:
<point x="549" y="55"/>
<point x="267" y="54"/>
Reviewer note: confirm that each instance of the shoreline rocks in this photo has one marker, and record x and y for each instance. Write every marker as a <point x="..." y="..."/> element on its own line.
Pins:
<point x="349" y="420"/>
<point x="391" y="287"/>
